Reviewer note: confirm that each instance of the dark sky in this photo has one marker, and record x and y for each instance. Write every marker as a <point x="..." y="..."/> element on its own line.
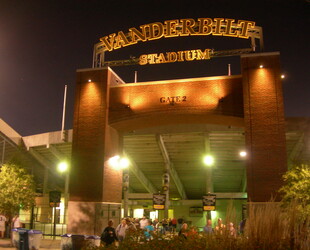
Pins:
<point x="43" y="43"/>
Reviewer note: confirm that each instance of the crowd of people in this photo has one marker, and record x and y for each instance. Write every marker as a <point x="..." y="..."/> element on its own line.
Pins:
<point x="173" y="227"/>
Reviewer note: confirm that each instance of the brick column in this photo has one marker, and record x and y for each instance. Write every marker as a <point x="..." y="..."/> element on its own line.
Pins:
<point x="95" y="187"/>
<point x="264" y="125"/>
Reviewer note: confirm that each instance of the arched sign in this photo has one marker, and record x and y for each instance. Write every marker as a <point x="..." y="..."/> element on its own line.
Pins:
<point x="225" y="27"/>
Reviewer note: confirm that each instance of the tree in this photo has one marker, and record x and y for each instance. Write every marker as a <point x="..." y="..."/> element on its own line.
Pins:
<point x="297" y="188"/>
<point x="17" y="190"/>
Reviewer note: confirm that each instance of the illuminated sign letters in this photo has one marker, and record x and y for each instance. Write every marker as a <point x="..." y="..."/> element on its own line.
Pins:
<point x="180" y="56"/>
<point x="172" y="99"/>
<point x="221" y="27"/>
<point x="174" y="28"/>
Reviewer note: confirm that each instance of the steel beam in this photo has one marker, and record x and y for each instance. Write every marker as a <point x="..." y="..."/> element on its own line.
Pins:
<point x="169" y="166"/>
<point x="244" y="182"/>
<point x="140" y="176"/>
<point x="147" y="196"/>
<point x="56" y="152"/>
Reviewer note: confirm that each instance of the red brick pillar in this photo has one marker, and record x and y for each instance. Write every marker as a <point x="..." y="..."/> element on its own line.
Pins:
<point x="264" y="125"/>
<point x="95" y="187"/>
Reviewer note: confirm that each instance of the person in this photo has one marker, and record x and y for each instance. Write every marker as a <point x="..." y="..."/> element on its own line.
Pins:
<point x="121" y="230"/>
<point x="164" y="223"/>
<point x="207" y="229"/>
<point x="148" y="229"/>
<point x="131" y="228"/>
<point x="169" y="228"/>
<point x="16" y="222"/>
<point x="174" y="224"/>
<point x="219" y="229"/>
<point x="232" y="230"/>
<point x="156" y="225"/>
<point x="108" y="235"/>
<point x="2" y="225"/>
<point x="143" y="222"/>
<point x="137" y="223"/>
<point x="192" y="232"/>
<point x="179" y="225"/>
<point x="242" y="226"/>
<point x="183" y="230"/>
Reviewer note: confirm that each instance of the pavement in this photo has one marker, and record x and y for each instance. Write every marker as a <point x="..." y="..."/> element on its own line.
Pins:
<point x="53" y="244"/>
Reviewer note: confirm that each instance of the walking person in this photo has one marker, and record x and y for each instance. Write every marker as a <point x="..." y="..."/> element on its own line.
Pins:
<point x="143" y="222"/>
<point x="121" y="230"/>
<point x="108" y="236"/>
<point x="148" y="229"/>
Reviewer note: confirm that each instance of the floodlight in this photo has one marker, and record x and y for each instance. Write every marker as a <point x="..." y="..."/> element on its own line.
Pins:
<point x="208" y="160"/>
<point x="62" y="166"/>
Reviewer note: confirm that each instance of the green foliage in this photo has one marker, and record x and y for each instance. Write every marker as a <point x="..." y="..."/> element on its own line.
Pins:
<point x="268" y="226"/>
<point x="297" y="188"/>
<point x="17" y="190"/>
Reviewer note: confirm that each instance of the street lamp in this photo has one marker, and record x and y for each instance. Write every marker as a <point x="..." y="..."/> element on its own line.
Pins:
<point x="63" y="167"/>
<point x="208" y="160"/>
<point x="122" y="163"/>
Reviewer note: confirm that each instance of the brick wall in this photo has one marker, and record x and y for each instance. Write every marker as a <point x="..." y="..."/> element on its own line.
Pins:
<point x="264" y="125"/>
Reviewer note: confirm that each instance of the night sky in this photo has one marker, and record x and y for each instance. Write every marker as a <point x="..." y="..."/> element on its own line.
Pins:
<point x="43" y="43"/>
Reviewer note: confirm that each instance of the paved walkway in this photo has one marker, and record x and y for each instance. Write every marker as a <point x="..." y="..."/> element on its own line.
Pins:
<point x="5" y="244"/>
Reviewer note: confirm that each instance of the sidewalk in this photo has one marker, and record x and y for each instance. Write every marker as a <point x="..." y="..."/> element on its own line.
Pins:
<point x="5" y="244"/>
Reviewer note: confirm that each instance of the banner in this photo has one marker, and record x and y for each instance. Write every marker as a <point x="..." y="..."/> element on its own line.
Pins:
<point x="159" y="201"/>
<point x="208" y="202"/>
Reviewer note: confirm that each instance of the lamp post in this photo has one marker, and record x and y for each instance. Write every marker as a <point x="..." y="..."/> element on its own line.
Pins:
<point x="63" y="167"/>
<point x="208" y="160"/>
<point x="122" y="163"/>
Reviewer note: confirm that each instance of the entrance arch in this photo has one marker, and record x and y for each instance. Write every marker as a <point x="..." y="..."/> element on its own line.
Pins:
<point x="105" y="108"/>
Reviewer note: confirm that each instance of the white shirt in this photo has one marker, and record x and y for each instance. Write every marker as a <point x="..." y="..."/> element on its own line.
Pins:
<point x="2" y="222"/>
<point x="16" y="222"/>
<point x="121" y="230"/>
<point x="143" y="223"/>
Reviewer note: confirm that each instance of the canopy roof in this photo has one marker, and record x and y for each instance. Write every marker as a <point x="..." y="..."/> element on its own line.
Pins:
<point x="179" y="148"/>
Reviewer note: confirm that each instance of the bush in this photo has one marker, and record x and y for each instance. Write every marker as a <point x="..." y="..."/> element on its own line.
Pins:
<point x="268" y="226"/>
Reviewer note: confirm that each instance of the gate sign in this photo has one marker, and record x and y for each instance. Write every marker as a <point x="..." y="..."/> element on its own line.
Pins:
<point x="159" y="201"/>
<point x="208" y="202"/>
<point x="54" y="197"/>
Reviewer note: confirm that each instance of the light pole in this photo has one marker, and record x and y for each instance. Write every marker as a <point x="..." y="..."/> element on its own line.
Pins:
<point x="122" y="163"/>
<point x="208" y="160"/>
<point x="63" y="167"/>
